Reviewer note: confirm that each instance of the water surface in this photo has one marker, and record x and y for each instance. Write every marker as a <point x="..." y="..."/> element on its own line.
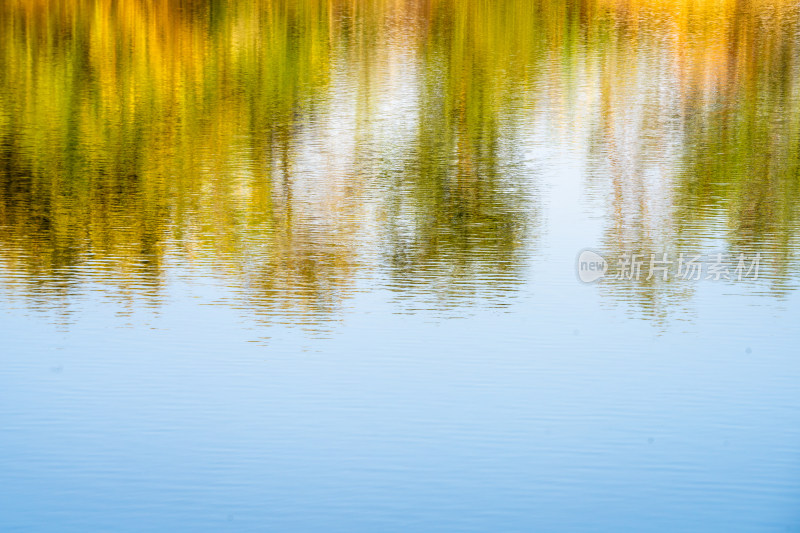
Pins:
<point x="310" y="265"/>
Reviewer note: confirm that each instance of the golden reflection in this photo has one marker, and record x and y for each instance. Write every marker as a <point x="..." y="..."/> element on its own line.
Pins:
<point x="290" y="144"/>
<point x="700" y="146"/>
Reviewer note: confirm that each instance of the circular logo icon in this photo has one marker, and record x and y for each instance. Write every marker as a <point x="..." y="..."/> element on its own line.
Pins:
<point x="591" y="266"/>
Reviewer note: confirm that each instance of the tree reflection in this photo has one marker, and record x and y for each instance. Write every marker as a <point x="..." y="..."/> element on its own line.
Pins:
<point x="293" y="146"/>
<point x="136" y="133"/>
<point x="706" y="145"/>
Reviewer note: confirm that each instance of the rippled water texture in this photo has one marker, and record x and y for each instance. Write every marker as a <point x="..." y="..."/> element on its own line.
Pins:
<point x="308" y="265"/>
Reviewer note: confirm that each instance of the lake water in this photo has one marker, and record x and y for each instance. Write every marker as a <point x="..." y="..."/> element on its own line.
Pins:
<point x="308" y="265"/>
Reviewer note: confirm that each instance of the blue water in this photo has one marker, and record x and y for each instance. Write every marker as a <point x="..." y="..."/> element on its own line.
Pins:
<point x="556" y="412"/>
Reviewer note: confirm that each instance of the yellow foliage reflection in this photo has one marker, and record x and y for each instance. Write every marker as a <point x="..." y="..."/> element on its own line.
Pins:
<point x="293" y="144"/>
